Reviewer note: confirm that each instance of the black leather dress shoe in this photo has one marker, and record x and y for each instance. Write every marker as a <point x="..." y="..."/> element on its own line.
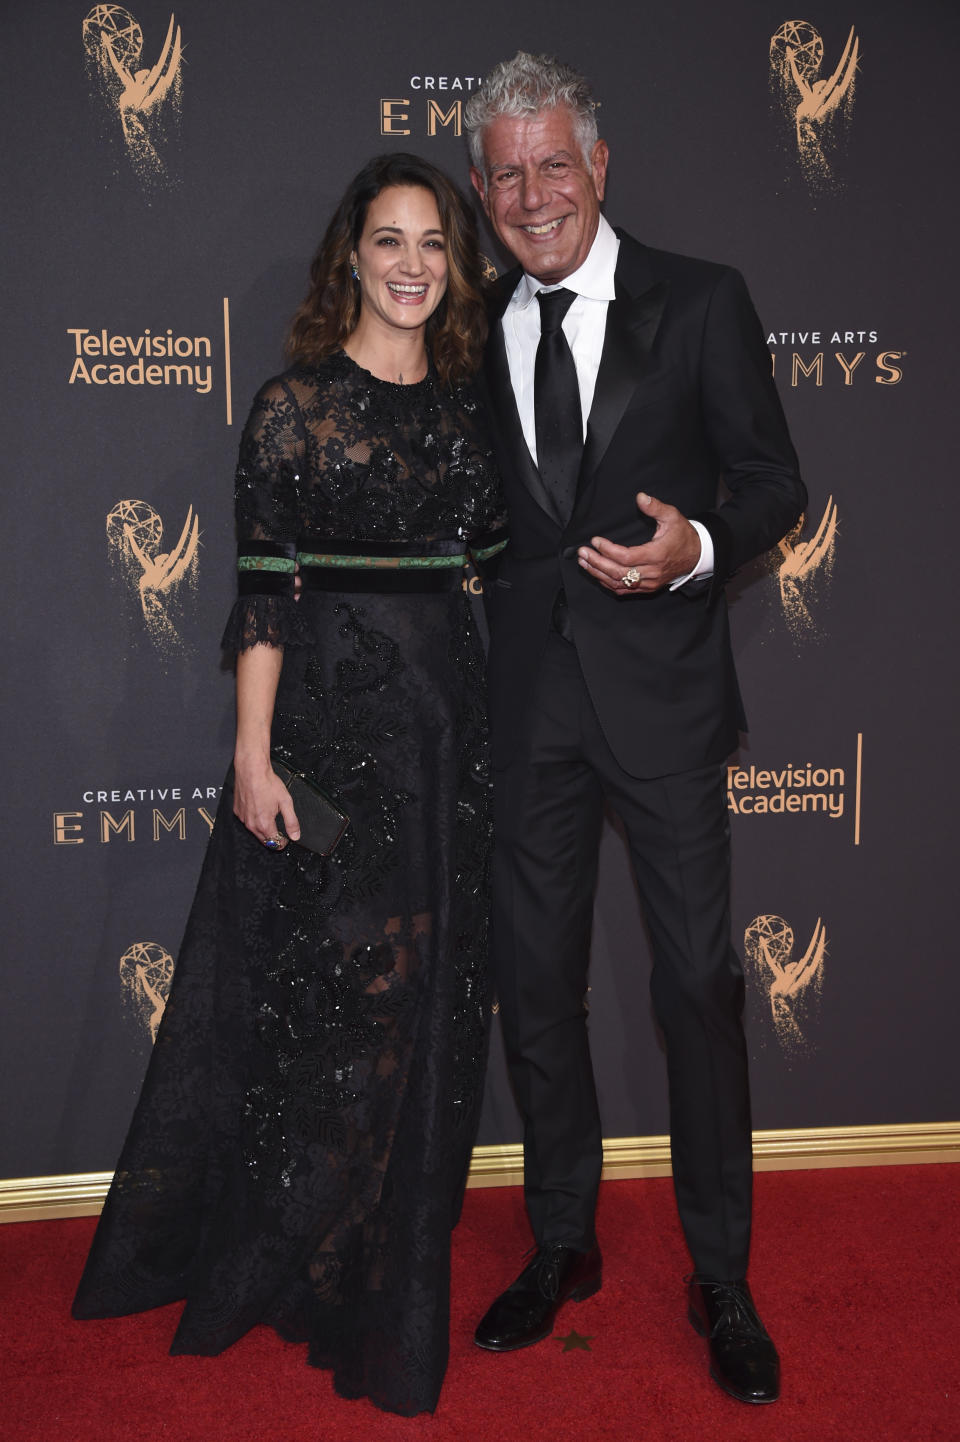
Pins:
<point x="526" y="1311"/>
<point x="743" y="1360"/>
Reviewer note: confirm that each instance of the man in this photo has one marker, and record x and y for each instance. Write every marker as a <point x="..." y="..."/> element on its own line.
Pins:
<point x="619" y="397"/>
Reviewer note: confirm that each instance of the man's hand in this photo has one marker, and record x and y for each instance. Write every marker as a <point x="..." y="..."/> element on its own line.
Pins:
<point x="673" y="551"/>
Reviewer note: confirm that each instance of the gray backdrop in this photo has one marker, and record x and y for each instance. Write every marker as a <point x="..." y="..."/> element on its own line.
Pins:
<point x="203" y="166"/>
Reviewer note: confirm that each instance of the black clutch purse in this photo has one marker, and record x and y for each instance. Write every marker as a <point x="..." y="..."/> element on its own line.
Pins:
<point x="321" y="822"/>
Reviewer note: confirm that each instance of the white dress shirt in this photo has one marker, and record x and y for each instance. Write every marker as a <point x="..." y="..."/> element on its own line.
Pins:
<point x="584" y="326"/>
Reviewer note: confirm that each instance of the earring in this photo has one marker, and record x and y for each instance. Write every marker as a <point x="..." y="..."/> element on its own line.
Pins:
<point x="353" y="268"/>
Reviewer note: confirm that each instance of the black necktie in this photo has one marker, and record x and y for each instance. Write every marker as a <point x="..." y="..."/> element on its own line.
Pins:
<point x="556" y="404"/>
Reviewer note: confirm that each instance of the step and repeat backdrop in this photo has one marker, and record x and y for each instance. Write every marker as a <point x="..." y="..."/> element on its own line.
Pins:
<point x="169" y="174"/>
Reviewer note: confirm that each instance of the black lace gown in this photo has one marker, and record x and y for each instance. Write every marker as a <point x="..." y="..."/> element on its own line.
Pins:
<point x="299" y="1150"/>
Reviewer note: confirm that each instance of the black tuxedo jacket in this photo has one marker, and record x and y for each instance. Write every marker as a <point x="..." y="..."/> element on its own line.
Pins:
<point x="684" y="399"/>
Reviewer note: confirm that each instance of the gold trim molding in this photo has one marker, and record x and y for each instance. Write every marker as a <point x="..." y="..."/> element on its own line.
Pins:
<point x="32" y="1199"/>
<point x="773" y="1151"/>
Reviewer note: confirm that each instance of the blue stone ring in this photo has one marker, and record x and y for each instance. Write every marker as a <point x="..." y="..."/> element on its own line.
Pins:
<point x="273" y="844"/>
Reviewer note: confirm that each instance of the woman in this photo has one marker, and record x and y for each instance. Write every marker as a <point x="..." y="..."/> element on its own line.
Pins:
<point x="299" y="1150"/>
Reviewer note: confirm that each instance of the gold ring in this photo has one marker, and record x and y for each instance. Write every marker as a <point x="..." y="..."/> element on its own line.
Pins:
<point x="631" y="577"/>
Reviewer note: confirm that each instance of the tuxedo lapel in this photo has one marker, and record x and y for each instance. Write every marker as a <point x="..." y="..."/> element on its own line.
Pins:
<point x="504" y="402"/>
<point x="633" y="319"/>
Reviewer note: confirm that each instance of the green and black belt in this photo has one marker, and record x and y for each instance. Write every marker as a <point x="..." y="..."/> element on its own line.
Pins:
<point x="329" y="564"/>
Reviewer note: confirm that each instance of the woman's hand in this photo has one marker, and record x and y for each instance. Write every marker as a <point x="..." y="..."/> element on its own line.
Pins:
<point x="258" y="796"/>
<point x="258" y="793"/>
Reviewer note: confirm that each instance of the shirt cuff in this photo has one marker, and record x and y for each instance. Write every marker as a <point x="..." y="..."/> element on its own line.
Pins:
<point x="704" y="566"/>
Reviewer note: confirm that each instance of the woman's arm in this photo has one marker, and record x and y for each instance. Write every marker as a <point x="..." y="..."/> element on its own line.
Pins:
<point x="258" y="792"/>
<point x="264" y="619"/>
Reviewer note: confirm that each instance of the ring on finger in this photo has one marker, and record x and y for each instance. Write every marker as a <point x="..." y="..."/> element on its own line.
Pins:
<point x="274" y="843"/>
<point x="631" y="577"/>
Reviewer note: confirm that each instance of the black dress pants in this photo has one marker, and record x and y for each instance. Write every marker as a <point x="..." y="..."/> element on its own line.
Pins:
<point x="549" y="810"/>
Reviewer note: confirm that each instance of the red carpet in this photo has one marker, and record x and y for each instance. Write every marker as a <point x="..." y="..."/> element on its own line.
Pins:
<point x="855" y="1272"/>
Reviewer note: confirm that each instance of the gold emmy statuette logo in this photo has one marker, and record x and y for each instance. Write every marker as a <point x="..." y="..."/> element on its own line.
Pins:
<point x="145" y="99"/>
<point x="146" y="971"/>
<point x="134" y="534"/>
<point x="791" y="985"/>
<point x="801" y="565"/>
<point x="487" y="268"/>
<point x="815" y="106"/>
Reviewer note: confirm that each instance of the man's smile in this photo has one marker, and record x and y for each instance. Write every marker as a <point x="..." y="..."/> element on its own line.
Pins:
<point x="545" y="228"/>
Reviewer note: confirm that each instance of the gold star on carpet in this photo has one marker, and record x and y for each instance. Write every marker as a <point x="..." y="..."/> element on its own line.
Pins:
<point x="573" y="1342"/>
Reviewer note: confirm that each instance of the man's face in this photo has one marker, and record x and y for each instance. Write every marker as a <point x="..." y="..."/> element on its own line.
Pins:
<point x="541" y="198"/>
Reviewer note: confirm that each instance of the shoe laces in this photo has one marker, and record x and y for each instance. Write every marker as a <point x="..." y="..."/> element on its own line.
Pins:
<point x="736" y="1312"/>
<point x="546" y="1266"/>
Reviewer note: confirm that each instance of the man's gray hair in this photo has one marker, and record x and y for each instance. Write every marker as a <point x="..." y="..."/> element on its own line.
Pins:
<point x="523" y="86"/>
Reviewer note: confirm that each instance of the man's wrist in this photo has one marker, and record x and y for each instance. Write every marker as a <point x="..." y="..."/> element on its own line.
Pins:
<point x="704" y="566"/>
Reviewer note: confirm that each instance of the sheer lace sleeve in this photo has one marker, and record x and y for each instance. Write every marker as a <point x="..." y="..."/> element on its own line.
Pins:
<point x="487" y="523"/>
<point x="267" y="496"/>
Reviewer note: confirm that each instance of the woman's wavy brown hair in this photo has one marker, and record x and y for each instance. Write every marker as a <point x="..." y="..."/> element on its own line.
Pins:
<point x="456" y="331"/>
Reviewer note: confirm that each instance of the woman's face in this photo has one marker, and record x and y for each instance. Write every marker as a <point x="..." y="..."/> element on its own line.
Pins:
<point x="402" y="258"/>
